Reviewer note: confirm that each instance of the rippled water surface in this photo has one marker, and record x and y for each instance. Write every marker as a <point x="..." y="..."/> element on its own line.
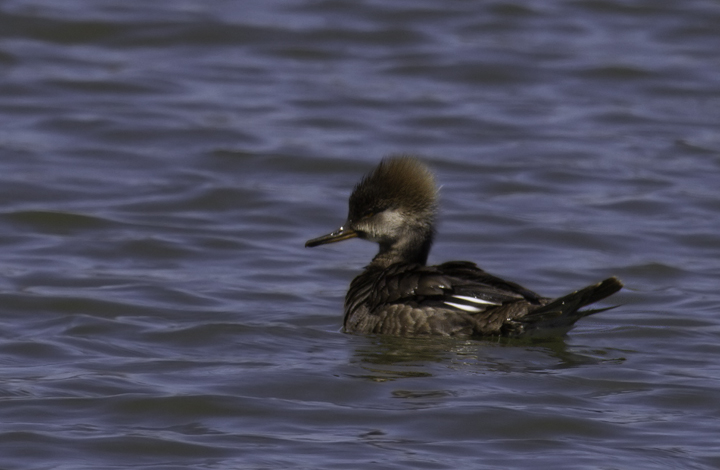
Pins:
<point x="162" y="164"/>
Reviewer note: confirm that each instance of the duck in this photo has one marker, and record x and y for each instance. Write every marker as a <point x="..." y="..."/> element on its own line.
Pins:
<point x="398" y="294"/>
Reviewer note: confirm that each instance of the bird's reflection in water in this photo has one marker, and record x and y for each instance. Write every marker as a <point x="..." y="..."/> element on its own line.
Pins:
<point x="385" y="358"/>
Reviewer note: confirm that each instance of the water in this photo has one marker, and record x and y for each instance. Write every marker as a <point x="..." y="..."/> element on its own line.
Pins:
<point x="162" y="164"/>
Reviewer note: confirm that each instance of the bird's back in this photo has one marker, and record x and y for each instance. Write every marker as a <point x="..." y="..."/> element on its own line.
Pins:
<point x="456" y="298"/>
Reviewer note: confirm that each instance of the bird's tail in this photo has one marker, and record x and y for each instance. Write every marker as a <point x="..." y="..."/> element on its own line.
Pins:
<point x="563" y="312"/>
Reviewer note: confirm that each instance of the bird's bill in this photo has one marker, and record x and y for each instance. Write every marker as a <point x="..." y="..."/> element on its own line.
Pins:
<point x="337" y="236"/>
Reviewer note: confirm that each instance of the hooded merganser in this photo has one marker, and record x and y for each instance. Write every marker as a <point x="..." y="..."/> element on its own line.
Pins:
<point x="397" y="294"/>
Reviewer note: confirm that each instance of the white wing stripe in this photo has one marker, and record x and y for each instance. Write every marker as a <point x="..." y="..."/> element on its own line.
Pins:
<point x="466" y="308"/>
<point x="475" y="300"/>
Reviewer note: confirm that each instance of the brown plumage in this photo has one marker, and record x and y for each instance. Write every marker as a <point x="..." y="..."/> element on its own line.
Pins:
<point x="397" y="294"/>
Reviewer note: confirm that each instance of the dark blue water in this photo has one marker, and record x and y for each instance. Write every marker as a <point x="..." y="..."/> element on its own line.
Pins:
<point x="162" y="164"/>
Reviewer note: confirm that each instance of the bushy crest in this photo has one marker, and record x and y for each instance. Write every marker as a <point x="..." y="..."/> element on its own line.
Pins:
<point x="399" y="182"/>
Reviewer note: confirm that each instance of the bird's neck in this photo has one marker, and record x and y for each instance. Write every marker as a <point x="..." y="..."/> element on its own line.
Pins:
<point x="412" y="248"/>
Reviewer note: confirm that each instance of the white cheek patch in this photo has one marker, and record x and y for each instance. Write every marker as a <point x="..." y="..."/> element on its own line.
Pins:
<point x="392" y="219"/>
<point x="385" y="223"/>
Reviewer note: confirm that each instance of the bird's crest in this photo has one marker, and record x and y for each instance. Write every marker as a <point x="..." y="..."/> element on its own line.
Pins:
<point x="398" y="182"/>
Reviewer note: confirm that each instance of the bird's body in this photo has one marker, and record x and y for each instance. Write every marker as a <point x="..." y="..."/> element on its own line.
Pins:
<point x="397" y="294"/>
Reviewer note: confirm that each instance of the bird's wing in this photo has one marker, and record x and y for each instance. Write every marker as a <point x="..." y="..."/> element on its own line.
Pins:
<point x="457" y="285"/>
